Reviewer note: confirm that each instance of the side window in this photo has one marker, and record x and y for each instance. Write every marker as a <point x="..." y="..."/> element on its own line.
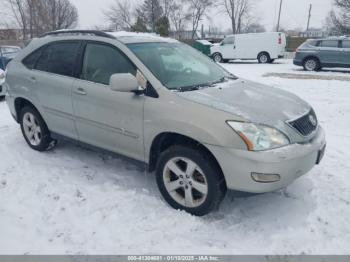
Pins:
<point x="102" y="61"/>
<point x="229" y="41"/>
<point x="330" y="43"/>
<point x="58" y="58"/>
<point x="346" y="44"/>
<point x="31" y="59"/>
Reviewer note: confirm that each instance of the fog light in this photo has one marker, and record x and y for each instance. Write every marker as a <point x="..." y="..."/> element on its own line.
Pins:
<point x="266" y="178"/>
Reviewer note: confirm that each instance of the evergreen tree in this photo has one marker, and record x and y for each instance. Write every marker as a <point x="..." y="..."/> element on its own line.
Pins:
<point x="163" y="26"/>
<point x="150" y="12"/>
<point x="139" y="26"/>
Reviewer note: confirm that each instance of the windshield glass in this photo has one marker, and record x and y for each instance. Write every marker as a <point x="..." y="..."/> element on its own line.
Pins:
<point x="179" y="66"/>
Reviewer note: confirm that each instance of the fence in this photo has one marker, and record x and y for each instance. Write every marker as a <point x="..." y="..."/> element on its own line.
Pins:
<point x="12" y="42"/>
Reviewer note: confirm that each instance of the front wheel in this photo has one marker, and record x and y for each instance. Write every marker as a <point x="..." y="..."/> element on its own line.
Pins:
<point x="34" y="130"/>
<point x="217" y="57"/>
<point x="189" y="180"/>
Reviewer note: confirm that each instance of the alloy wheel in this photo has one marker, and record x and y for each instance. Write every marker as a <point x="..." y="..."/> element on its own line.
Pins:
<point x="310" y="65"/>
<point x="32" y="129"/>
<point x="185" y="182"/>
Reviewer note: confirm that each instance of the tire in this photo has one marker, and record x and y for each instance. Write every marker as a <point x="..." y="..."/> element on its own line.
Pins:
<point x="34" y="130"/>
<point x="311" y="64"/>
<point x="264" y="58"/>
<point x="217" y="57"/>
<point x="2" y="98"/>
<point x="198" y="192"/>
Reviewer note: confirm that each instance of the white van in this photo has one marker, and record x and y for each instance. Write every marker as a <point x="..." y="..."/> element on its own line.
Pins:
<point x="266" y="47"/>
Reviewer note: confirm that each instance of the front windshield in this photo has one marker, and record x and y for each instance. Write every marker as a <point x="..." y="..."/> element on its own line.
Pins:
<point x="179" y="66"/>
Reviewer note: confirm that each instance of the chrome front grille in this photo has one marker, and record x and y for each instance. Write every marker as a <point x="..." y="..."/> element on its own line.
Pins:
<point x="306" y="124"/>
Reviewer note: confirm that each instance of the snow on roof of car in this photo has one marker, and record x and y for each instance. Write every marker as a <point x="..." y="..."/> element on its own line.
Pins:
<point x="134" y="37"/>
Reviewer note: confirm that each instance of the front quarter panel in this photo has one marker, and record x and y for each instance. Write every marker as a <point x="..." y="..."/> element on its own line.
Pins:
<point x="173" y="114"/>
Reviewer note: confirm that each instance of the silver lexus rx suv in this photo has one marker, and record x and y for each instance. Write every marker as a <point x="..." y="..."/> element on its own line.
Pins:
<point x="161" y="102"/>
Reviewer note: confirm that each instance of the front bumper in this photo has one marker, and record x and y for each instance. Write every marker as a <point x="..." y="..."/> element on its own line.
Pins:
<point x="289" y="163"/>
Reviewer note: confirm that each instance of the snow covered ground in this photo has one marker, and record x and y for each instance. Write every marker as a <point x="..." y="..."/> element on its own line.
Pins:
<point x="76" y="201"/>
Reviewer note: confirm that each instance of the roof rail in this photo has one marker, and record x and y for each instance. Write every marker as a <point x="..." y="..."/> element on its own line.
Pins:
<point x="79" y="32"/>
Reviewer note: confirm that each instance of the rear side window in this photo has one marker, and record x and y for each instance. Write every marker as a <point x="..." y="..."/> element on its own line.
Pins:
<point x="31" y="60"/>
<point x="312" y="42"/>
<point x="330" y="43"/>
<point x="346" y="44"/>
<point x="102" y="61"/>
<point x="58" y="58"/>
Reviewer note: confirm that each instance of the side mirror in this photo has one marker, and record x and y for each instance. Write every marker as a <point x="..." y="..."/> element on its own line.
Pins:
<point x="124" y="83"/>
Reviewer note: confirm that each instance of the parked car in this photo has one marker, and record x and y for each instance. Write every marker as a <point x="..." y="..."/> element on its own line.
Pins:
<point x="328" y="52"/>
<point x="266" y="47"/>
<point x="164" y="104"/>
<point x="7" y="53"/>
<point x="2" y="81"/>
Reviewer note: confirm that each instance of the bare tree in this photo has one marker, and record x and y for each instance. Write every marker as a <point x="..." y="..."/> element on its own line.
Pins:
<point x="198" y="10"/>
<point x="168" y="5"/>
<point x="239" y="13"/>
<point x="339" y="18"/>
<point x="36" y="17"/>
<point x="120" y="15"/>
<point x="179" y="16"/>
<point x="18" y="9"/>
<point x="62" y="14"/>
<point x="254" y="28"/>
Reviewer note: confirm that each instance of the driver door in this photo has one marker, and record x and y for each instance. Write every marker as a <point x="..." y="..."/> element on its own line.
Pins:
<point x="105" y="118"/>
<point x="228" y="47"/>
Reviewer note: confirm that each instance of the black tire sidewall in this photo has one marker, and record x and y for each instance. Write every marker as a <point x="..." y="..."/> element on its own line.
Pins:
<point x="215" y="179"/>
<point x="45" y="133"/>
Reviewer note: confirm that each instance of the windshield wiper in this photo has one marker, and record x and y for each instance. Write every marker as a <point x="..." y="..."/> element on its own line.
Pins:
<point x="206" y="85"/>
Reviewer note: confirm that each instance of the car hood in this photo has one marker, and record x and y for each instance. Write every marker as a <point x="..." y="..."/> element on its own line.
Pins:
<point x="251" y="101"/>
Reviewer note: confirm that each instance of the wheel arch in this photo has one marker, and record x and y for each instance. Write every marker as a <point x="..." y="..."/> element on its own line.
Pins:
<point x="167" y="139"/>
<point x="21" y="102"/>
<point x="263" y="52"/>
<point x="313" y="57"/>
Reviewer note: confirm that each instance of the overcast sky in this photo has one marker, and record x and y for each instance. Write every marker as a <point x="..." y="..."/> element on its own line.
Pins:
<point x="294" y="13"/>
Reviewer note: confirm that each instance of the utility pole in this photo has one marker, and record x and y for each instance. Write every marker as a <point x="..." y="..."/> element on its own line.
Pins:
<point x="279" y="16"/>
<point x="309" y="18"/>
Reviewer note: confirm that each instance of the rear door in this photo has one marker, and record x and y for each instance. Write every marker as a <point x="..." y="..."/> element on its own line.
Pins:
<point x="228" y="48"/>
<point x="330" y="52"/>
<point x="52" y="77"/>
<point x="105" y="118"/>
<point x="346" y="53"/>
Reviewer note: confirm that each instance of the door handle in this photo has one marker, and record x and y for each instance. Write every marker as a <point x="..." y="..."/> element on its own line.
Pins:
<point x="32" y="79"/>
<point x="80" y="91"/>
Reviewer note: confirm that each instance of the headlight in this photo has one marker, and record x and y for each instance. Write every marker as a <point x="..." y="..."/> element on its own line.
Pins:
<point x="259" y="137"/>
<point x="2" y="75"/>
